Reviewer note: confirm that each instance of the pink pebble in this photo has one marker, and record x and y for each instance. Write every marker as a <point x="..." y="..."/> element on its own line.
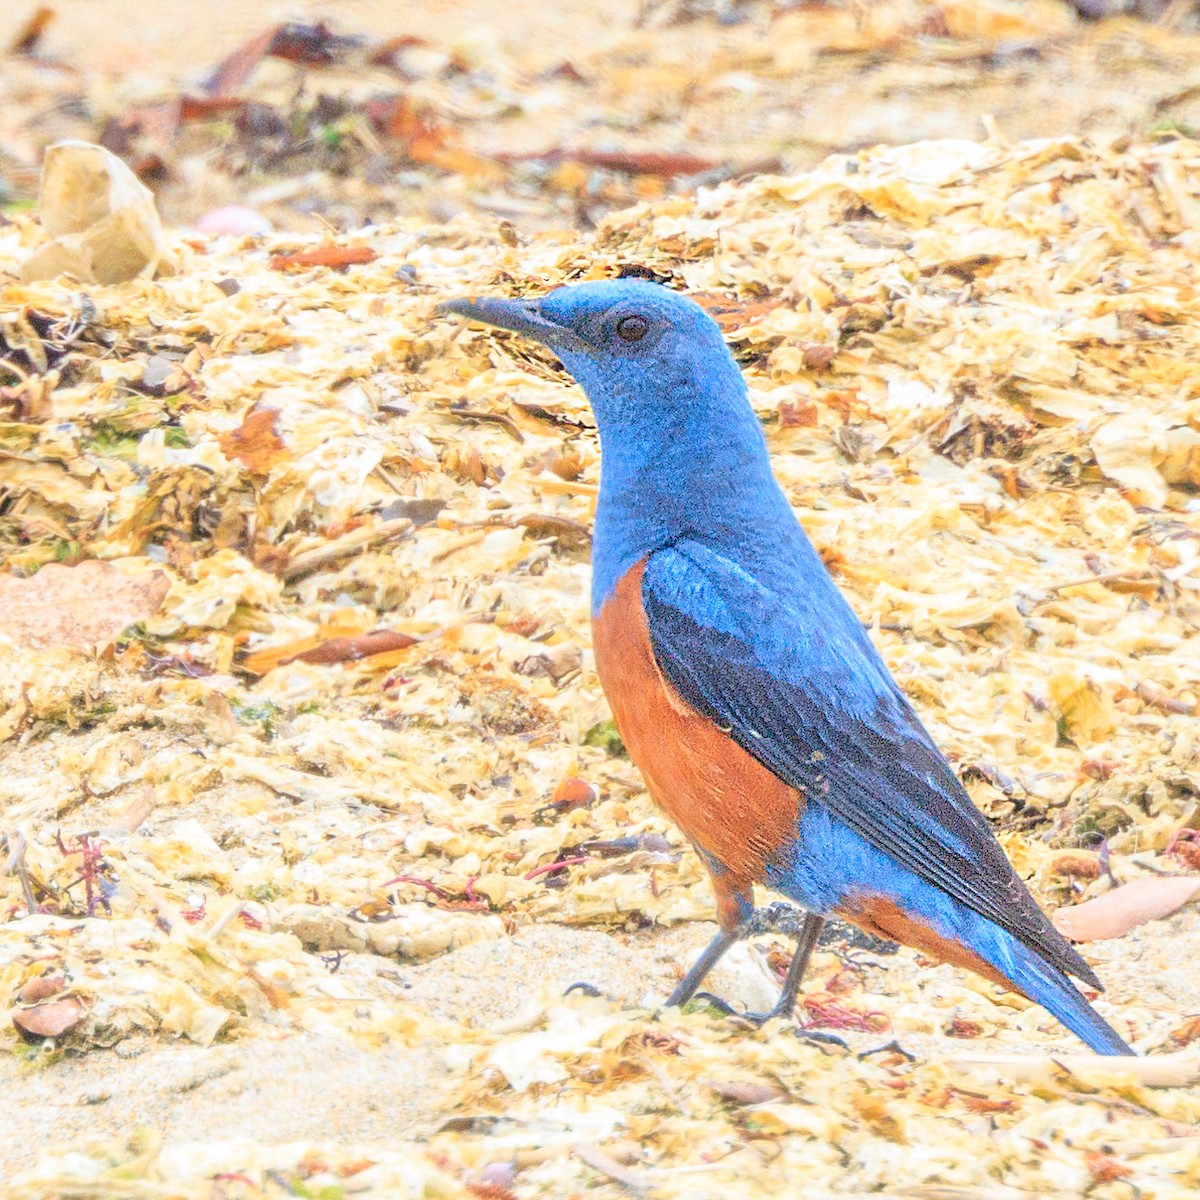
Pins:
<point x="498" y="1175"/>
<point x="233" y="219"/>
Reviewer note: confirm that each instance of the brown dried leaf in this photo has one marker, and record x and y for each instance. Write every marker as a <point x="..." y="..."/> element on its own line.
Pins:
<point x="41" y="987"/>
<point x="802" y="414"/>
<point x="254" y="443"/>
<point x="49" y="1020"/>
<point x="1185" y="846"/>
<point x="30" y="33"/>
<point x="351" y="649"/>
<point x="817" y="355"/>
<point x="1125" y="908"/>
<point x="630" y="162"/>
<point x="457" y="160"/>
<point x="740" y="1091"/>
<point x="1187" y="1033"/>
<point x="323" y="256"/>
<point x="235" y="69"/>
<point x="731" y="314"/>
<point x="977" y="1103"/>
<point x="1076" y="865"/>
<point x="84" y="607"/>
<point x="1103" y="1168"/>
<point x="138" y="810"/>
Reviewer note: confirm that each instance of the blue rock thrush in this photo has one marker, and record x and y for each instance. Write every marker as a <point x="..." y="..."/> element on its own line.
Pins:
<point x="763" y="719"/>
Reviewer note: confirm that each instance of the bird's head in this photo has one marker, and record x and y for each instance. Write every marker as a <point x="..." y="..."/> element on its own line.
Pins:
<point x="683" y="451"/>
<point x="646" y="356"/>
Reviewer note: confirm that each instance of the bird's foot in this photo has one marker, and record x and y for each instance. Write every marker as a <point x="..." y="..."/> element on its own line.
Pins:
<point x="757" y="1020"/>
<point x="722" y="1006"/>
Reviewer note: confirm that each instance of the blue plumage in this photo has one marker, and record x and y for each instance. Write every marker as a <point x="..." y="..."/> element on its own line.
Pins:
<point x="750" y="631"/>
<point x="830" y="866"/>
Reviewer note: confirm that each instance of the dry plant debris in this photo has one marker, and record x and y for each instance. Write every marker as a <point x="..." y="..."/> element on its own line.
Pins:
<point x="553" y="118"/>
<point x="362" y="724"/>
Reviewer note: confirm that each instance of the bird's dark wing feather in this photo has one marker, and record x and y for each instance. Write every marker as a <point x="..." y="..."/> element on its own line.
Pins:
<point x="800" y="687"/>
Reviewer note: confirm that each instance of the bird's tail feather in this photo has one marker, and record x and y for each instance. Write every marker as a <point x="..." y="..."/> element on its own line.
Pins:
<point x="1055" y="992"/>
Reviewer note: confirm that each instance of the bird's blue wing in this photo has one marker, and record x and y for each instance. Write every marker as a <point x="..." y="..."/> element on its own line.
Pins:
<point x="792" y="675"/>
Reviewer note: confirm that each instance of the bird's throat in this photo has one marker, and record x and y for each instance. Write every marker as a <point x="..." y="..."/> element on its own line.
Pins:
<point x="715" y="486"/>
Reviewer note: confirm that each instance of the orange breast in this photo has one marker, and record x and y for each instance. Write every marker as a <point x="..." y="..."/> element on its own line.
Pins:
<point x="727" y="804"/>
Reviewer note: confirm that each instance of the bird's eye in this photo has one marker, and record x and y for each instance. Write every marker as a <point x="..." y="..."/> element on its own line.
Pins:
<point x="632" y="329"/>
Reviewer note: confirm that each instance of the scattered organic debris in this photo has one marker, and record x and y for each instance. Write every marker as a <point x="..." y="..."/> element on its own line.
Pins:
<point x="437" y="117"/>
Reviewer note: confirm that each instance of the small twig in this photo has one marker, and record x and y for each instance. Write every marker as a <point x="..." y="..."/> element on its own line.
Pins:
<point x="1161" y="1070"/>
<point x="225" y="919"/>
<point x="928" y="431"/>
<point x="491" y="418"/>
<point x="1105" y="857"/>
<point x="460" y="543"/>
<point x="1107" y="577"/>
<point x="595" y="1158"/>
<point x="1175" y="14"/>
<point x="343" y="547"/>
<point x="16" y="853"/>
<point x="1156" y="697"/>
<point x="93" y="863"/>
<point x="15" y="865"/>
<point x="440" y="893"/>
<point x="565" y="487"/>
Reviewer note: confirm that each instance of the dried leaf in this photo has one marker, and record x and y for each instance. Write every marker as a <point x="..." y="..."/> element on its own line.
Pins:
<point x="739" y="1091"/>
<point x="631" y="162"/>
<point x="102" y="219"/>
<point x="41" y="987"/>
<point x="1103" y="1168"/>
<point x="1125" y="908"/>
<point x="254" y="443"/>
<point x="351" y="649"/>
<point x="30" y="33"/>
<point x="84" y="607"/>
<point x="49" y="1020"/>
<point x="323" y="256"/>
<point x="1086" y="708"/>
<point x="234" y="70"/>
<point x="800" y="414"/>
<point x="732" y="314"/>
<point x="1187" y="1033"/>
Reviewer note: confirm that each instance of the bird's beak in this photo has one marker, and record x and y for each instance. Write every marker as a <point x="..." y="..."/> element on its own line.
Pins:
<point x="517" y="316"/>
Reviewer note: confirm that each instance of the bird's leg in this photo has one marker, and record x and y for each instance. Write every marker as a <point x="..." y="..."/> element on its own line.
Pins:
<point x="689" y="984"/>
<point x="735" y="908"/>
<point x="806" y="943"/>
<point x="805" y="927"/>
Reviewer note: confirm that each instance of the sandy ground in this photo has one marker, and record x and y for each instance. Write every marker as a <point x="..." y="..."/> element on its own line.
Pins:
<point x="322" y="1088"/>
<point x="741" y="96"/>
<point x="175" y="39"/>
<point x="306" y="1086"/>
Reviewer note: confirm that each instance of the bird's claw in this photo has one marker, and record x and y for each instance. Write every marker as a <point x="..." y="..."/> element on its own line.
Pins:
<point x="758" y="1020"/>
<point x="727" y="1010"/>
<point x="588" y="989"/>
<point x="722" y="1006"/>
<point x="821" y="1039"/>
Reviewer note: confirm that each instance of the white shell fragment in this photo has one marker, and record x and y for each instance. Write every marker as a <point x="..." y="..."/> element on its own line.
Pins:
<point x="102" y="219"/>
